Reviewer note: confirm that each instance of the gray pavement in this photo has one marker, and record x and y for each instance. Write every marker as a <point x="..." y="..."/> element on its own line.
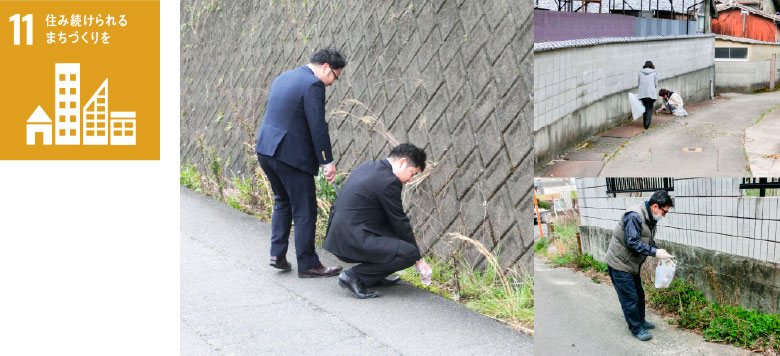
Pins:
<point x="575" y="316"/>
<point x="762" y="145"/>
<point x="715" y="134"/>
<point x="233" y="303"/>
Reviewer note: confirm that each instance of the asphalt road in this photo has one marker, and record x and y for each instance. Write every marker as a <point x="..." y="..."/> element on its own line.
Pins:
<point x="233" y="303"/>
<point x="575" y="316"/>
<point x="717" y="132"/>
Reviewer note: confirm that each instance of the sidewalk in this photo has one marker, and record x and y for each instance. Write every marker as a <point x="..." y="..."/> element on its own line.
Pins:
<point x="710" y="142"/>
<point x="575" y="316"/>
<point x="233" y="303"/>
<point x="762" y="145"/>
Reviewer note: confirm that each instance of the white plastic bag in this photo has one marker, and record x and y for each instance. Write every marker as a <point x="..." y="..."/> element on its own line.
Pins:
<point x="425" y="272"/>
<point x="664" y="273"/>
<point x="637" y="108"/>
<point x="680" y="112"/>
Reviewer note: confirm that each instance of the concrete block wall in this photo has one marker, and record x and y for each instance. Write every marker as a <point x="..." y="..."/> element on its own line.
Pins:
<point x="744" y="76"/>
<point x="454" y="77"/>
<point x="581" y="89"/>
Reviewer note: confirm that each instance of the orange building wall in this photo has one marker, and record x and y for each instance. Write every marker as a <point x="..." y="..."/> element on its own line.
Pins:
<point x="758" y="28"/>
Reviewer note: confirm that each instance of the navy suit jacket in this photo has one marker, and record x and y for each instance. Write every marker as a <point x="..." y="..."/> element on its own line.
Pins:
<point x="294" y="130"/>
<point x="367" y="219"/>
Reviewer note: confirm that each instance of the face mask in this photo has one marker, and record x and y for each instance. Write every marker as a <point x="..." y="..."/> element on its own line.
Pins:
<point x="658" y="217"/>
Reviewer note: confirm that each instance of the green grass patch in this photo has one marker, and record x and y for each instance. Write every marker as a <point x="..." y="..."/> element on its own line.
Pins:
<point x="586" y="262"/>
<point x="481" y="290"/>
<point x="541" y="244"/>
<point x="722" y="323"/>
<point x="189" y="177"/>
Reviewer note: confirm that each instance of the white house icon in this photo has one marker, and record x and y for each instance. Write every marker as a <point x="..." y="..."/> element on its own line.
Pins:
<point x="39" y="124"/>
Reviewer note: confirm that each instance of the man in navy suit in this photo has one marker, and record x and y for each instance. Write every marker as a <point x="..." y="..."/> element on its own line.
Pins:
<point x="368" y="224"/>
<point x="293" y="143"/>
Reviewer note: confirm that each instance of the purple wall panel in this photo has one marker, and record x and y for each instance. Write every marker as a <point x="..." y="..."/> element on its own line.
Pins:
<point x="561" y="26"/>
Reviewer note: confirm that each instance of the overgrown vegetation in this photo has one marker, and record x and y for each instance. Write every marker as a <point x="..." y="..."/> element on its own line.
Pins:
<point x="718" y="323"/>
<point x="508" y="298"/>
<point x="561" y="247"/>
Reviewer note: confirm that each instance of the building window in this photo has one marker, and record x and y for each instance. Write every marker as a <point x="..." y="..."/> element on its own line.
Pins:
<point x="731" y="53"/>
<point x="129" y="124"/>
<point x="90" y="133"/>
<point x="90" y="125"/>
<point x="62" y="118"/>
<point x="73" y="91"/>
<point x="101" y="133"/>
<point x="101" y="125"/>
<point x="73" y="118"/>
<point x="72" y="104"/>
<point x="62" y="91"/>
<point x="72" y="132"/>
<point x="117" y="133"/>
<point x="72" y="77"/>
<point x="62" y="77"/>
<point x="62" y="132"/>
<point x="62" y="104"/>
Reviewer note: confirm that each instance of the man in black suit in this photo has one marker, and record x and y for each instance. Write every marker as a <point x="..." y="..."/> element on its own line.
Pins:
<point x="368" y="224"/>
<point x="292" y="144"/>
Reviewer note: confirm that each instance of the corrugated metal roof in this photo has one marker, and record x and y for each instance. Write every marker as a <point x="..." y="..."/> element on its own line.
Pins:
<point x="744" y="40"/>
<point x="727" y="6"/>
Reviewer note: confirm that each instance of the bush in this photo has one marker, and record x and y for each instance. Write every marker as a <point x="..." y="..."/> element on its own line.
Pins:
<point x="731" y="324"/>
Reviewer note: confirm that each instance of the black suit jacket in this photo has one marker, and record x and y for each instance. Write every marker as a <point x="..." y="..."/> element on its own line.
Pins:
<point x="367" y="219"/>
<point x="294" y="130"/>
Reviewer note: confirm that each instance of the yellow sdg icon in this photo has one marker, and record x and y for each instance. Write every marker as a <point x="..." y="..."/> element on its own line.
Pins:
<point x="98" y="125"/>
<point x="81" y="80"/>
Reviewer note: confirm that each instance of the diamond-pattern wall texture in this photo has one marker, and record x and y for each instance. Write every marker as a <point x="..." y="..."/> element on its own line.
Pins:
<point x="454" y="77"/>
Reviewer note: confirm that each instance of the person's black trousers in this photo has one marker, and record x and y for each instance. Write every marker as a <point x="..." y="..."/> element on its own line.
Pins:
<point x="648" y="116"/>
<point x="294" y="199"/>
<point x="371" y="273"/>
<point x="631" y="296"/>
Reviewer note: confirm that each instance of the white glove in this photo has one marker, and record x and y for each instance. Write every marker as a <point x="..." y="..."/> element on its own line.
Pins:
<point x="662" y="254"/>
<point x="425" y="272"/>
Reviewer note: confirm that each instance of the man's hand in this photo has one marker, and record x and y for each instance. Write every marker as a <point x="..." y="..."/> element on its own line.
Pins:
<point x="330" y="172"/>
<point x="662" y="254"/>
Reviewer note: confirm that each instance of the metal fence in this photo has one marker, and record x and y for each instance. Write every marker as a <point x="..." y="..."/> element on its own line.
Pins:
<point x="761" y="186"/>
<point x="635" y="185"/>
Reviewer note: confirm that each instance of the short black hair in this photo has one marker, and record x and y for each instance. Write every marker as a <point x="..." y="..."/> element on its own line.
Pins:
<point x="649" y="64"/>
<point x="663" y="92"/>
<point x="662" y="198"/>
<point x="329" y="55"/>
<point x="415" y="155"/>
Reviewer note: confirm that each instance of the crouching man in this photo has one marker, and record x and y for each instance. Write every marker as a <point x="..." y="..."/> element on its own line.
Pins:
<point x="632" y="241"/>
<point x="368" y="224"/>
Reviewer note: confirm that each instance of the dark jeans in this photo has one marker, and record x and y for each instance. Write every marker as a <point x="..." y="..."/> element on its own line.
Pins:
<point x="631" y="296"/>
<point x="294" y="199"/>
<point x="648" y="102"/>
<point x="371" y="273"/>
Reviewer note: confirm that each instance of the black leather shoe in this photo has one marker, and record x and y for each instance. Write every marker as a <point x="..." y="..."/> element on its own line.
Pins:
<point x="389" y="280"/>
<point x="280" y="263"/>
<point x="320" y="271"/>
<point x="357" y="287"/>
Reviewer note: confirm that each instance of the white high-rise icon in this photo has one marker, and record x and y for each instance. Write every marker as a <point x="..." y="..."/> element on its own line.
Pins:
<point x="101" y="126"/>
<point x="66" y="111"/>
<point x="96" y="117"/>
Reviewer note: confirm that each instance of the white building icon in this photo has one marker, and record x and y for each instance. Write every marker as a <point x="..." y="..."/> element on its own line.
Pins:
<point x="100" y="126"/>
<point x="66" y="111"/>
<point x="39" y="125"/>
<point x="96" y="117"/>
